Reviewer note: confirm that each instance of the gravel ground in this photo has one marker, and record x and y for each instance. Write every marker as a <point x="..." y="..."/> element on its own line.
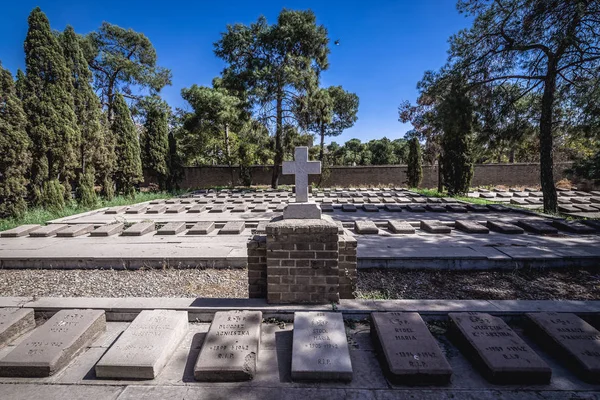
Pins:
<point x="572" y="284"/>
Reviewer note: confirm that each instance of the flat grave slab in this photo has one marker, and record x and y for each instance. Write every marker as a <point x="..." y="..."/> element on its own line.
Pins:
<point x="567" y="208"/>
<point x="456" y="208"/>
<point x="172" y="228"/>
<point x="231" y="347"/>
<point x="240" y="208"/>
<point x="433" y="226"/>
<point x="139" y="229"/>
<point x="19" y="231"/>
<point x="435" y="208"/>
<point x="260" y="208"/>
<point x="157" y="209"/>
<point x="197" y="208"/>
<point x="498" y="208"/>
<point x="585" y="208"/>
<point x="145" y="346"/>
<point x="408" y="352"/>
<point x="393" y="207"/>
<point x="477" y="208"/>
<point x="402" y="227"/>
<point x="320" y="349"/>
<point x="202" y="228"/>
<point x="366" y="227"/>
<point x="470" y="226"/>
<point x="108" y="230"/>
<point x="326" y="207"/>
<point x="415" y="208"/>
<point x="14" y="322"/>
<point x="572" y="227"/>
<point x="496" y="350"/>
<point x="115" y="210"/>
<point x="349" y="208"/>
<point x="218" y="209"/>
<point x="48" y="230"/>
<point x="51" y="346"/>
<point x="370" y="208"/>
<point x="519" y="202"/>
<point x="504" y="227"/>
<point x="579" y="200"/>
<point x="539" y="227"/>
<point x="232" y="228"/>
<point x="175" y="209"/>
<point x="593" y="223"/>
<point x="136" y="209"/>
<point x="75" y="230"/>
<point x="572" y="339"/>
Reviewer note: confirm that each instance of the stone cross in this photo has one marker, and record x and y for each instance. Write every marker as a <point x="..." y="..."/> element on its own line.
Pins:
<point x="301" y="167"/>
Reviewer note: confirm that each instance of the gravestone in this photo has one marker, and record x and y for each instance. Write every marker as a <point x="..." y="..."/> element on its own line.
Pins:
<point x="326" y="207"/>
<point x="585" y="208"/>
<point x="434" y="226"/>
<point x="393" y="207"/>
<point x="349" y="208"/>
<point x="233" y="228"/>
<point x="115" y="210"/>
<point x="14" y="322"/>
<point x="498" y="208"/>
<point x="566" y="208"/>
<point x="365" y="227"/>
<point x="202" y="228"/>
<point x="572" y="339"/>
<point x="108" y="230"/>
<point x="139" y="229"/>
<point x="415" y="208"/>
<point x="504" y="227"/>
<point x="519" y="202"/>
<point x="157" y="209"/>
<point x="593" y="223"/>
<point x="172" y="228"/>
<point x="496" y="350"/>
<point x="260" y="208"/>
<point x="435" y="208"/>
<point x="145" y="346"/>
<point x="48" y="230"/>
<point x="19" y="231"/>
<point x="301" y="168"/>
<point x="231" y="347"/>
<point x="470" y="226"/>
<point x="320" y="350"/>
<point x="402" y="227"/>
<point x="135" y="209"/>
<point x="572" y="226"/>
<point x="539" y="227"/>
<point x="477" y="208"/>
<point x="218" y="209"/>
<point x="51" y="346"/>
<point x="370" y="208"/>
<point x="456" y="208"/>
<point x="197" y="208"/>
<point x="176" y="209"/>
<point x="407" y="351"/>
<point x="240" y="208"/>
<point x="75" y="230"/>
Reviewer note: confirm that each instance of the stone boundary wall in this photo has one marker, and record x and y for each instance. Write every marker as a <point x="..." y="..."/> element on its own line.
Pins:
<point x="518" y="174"/>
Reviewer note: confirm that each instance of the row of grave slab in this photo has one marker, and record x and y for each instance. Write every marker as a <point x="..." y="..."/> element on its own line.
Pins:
<point x="408" y="352"/>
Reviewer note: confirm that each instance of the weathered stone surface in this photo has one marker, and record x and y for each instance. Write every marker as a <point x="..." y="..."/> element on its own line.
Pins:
<point x="586" y="208"/>
<point x="139" y="229"/>
<point x="231" y="348"/>
<point x="261" y="208"/>
<point x="232" y="228"/>
<point x="593" y="223"/>
<point x="108" y="230"/>
<point x="477" y="208"/>
<point x="487" y="195"/>
<point x="408" y="352"/>
<point x="349" y="208"/>
<point x="434" y="226"/>
<point x="240" y="208"/>
<point x="144" y="348"/>
<point x="115" y="210"/>
<point x="302" y="211"/>
<point x="570" y="338"/>
<point x="435" y="208"/>
<point x="572" y="226"/>
<point x="498" y="208"/>
<point x="261" y="227"/>
<point x="595" y="200"/>
<point x="393" y="207"/>
<point x="218" y="209"/>
<point x="172" y="228"/>
<point x="504" y="227"/>
<point x="567" y="208"/>
<point x="456" y="208"/>
<point x="19" y="231"/>
<point x="157" y="209"/>
<point x="498" y="352"/>
<point x="195" y="209"/>
<point x="326" y="207"/>
<point x="540" y="227"/>
<point x="201" y="228"/>
<point x="402" y="227"/>
<point x="51" y="346"/>
<point x="75" y="230"/>
<point x="135" y="209"/>
<point x="365" y="227"/>
<point x="48" y="230"/>
<point x="579" y="200"/>
<point x="517" y="201"/>
<point x="370" y="208"/>
<point x="320" y="350"/>
<point x="470" y="226"/>
<point x="534" y="201"/>
<point x="415" y="208"/>
<point x="176" y="209"/>
<point x="14" y="322"/>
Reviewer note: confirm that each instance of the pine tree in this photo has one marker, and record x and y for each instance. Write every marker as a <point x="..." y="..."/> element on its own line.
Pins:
<point x="20" y="84"/>
<point x="414" y="172"/>
<point x="456" y="115"/>
<point x="14" y="148"/>
<point x="128" y="171"/>
<point x="48" y="105"/>
<point x="155" y="140"/>
<point x="88" y="111"/>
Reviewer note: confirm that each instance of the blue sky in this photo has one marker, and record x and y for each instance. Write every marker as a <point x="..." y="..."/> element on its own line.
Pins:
<point x="385" y="46"/>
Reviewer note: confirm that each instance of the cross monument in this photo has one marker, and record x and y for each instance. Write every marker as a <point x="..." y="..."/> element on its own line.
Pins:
<point x="301" y="168"/>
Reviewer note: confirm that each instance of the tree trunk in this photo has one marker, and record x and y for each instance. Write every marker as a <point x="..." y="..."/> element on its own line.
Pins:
<point x="228" y="149"/>
<point x="511" y="156"/>
<point x="546" y="157"/>
<point x="440" y="176"/>
<point x="278" y="142"/>
<point x="322" y="152"/>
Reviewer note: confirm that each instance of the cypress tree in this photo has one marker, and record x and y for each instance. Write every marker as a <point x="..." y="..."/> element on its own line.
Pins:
<point x="48" y="105"/>
<point x="107" y="159"/>
<point x="14" y="148"/>
<point x="88" y="111"/>
<point x="128" y="171"/>
<point x="414" y="172"/>
<point x="175" y="164"/>
<point x="155" y="140"/>
<point x="20" y="84"/>
<point x="456" y="115"/>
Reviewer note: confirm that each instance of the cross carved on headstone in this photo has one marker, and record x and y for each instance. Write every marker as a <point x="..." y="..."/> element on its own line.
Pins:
<point x="301" y="167"/>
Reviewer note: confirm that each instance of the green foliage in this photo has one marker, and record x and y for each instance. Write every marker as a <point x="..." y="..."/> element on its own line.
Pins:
<point x="456" y="115"/>
<point x="587" y="168"/>
<point x="414" y="172"/>
<point x="274" y="65"/>
<point x="123" y="61"/>
<point x="128" y="172"/>
<point x="85" y="193"/>
<point x="53" y="195"/>
<point x="107" y="159"/>
<point x="48" y="105"/>
<point x="14" y="148"/>
<point x="155" y="138"/>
